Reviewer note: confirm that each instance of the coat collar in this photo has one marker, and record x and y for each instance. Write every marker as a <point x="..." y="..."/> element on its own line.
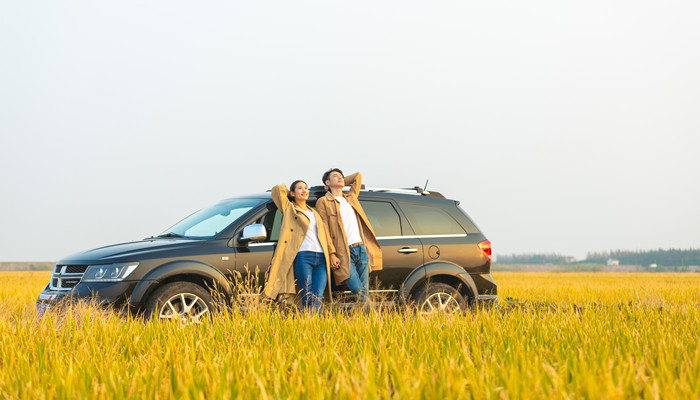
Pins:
<point x="301" y="211"/>
<point x="330" y="196"/>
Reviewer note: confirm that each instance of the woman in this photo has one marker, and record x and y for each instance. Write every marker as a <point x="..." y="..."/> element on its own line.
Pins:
<point x="302" y="249"/>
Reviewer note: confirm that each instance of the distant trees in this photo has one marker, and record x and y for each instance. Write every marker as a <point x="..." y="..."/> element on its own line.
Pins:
<point x="660" y="257"/>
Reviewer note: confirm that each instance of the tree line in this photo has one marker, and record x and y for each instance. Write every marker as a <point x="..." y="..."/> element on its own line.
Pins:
<point x="660" y="257"/>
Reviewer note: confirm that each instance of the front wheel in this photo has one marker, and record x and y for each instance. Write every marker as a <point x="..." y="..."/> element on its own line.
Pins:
<point x="439" y="298"/>
<point x="185" y="302"/>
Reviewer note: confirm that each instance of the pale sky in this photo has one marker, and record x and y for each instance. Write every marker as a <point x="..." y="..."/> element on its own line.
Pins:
<point x="561" y="126"/>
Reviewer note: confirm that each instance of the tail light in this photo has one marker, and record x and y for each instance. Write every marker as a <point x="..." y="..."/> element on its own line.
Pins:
<point x="485" y="247"/>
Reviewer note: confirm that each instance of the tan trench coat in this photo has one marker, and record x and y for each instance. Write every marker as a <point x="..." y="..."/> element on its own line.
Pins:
<point x="329" y="208"/>
<point x="295" y="223"/>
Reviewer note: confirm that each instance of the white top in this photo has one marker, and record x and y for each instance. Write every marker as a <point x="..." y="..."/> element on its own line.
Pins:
<point x="311" y="242"/>
<point x="347" y="213"/>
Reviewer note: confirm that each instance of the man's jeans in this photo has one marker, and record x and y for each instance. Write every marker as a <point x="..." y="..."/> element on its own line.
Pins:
<point x="310" y="272"/>
<point x="358" y="282"/>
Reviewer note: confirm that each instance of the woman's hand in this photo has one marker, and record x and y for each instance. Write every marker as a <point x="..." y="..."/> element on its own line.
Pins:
<point x="335" y="262"/>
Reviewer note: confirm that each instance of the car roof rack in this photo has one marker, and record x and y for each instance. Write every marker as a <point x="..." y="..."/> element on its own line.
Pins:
<point x="416" y="190"/>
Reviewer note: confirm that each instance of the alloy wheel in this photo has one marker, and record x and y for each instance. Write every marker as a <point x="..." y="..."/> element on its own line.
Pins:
<point x="440" y="302"/>
<point x="187" y="308"/>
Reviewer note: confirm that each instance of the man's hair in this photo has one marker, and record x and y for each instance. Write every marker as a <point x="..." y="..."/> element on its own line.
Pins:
<point x="327" y="174"/>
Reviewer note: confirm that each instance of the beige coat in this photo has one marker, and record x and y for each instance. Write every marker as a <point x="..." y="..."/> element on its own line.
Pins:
<point x="295" y="223"/>
<point x="329" y="208"/>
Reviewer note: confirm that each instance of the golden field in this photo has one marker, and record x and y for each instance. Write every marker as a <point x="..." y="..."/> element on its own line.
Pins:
<point x="552" y="335"/>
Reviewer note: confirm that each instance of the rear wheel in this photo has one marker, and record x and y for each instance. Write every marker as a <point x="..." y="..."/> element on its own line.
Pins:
<point x="439" y="298"/>
<point x="185" y="302"/>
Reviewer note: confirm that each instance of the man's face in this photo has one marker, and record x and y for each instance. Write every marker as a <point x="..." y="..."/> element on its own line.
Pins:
<point x="335" y="179"/>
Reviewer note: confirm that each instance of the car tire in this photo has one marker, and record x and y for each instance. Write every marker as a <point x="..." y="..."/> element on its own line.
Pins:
<point x="185" y="302"/>
<point x="438" y="298"/>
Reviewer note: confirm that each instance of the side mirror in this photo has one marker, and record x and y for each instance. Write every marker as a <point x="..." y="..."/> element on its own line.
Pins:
<point x="253" y="232"/>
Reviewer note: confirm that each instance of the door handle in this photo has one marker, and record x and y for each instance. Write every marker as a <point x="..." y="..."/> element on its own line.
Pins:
<point x="407" y="250"/>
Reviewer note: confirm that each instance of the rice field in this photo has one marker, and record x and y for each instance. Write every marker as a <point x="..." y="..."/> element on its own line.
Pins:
<point x="552" y="335"/>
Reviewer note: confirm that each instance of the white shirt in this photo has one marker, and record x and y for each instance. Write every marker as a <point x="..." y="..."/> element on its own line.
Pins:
<point x="311" y="242"/>
<point x="347" y="213"/>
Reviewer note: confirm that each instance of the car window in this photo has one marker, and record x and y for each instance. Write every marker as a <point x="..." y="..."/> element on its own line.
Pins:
<point x="272" y="221"/>
<point x="209" y="221"/>
<point x="428" y="220"/>
<point x="276" y="223"/>
<point x="467" y="222"/>
<point x="383" y="217"/>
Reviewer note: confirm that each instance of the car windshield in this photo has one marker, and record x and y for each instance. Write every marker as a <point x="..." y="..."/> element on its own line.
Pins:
<point x="208" y="222"/>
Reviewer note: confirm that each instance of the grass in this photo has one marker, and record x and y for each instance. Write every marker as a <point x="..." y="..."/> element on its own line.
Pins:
<point x="554" y="335"/>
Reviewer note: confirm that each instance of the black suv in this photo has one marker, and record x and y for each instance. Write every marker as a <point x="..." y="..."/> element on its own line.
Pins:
<point x="434" y="256"/>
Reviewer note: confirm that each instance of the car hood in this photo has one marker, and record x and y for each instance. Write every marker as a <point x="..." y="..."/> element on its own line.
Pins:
<point x="131" y="251"/>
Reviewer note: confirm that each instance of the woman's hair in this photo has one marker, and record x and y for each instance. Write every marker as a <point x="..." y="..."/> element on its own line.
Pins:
<point x="294" y="186"/>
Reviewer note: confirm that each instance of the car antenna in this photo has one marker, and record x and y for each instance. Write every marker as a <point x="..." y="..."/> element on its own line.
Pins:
<point x="422" y="191"/>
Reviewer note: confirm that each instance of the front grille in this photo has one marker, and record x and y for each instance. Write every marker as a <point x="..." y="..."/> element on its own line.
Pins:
<point x="75" y="269"/>
<point x="65" y="277"/>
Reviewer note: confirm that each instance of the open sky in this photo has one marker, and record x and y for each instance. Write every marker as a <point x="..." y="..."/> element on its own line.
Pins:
<point x="561" y="126"/>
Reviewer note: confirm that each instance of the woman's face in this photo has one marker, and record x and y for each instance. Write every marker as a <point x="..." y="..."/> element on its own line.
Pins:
<point x="300" y="192"/>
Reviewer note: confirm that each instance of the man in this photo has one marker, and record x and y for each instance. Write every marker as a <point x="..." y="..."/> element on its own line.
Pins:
<point x="354" y="250"/>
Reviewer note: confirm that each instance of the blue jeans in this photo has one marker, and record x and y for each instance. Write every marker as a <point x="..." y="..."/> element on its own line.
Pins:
<point x="358" y="282"/>
<point x="310" y="272"/>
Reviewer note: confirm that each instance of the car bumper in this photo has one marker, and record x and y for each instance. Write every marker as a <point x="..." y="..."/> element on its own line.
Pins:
<point x="106" y="293"/>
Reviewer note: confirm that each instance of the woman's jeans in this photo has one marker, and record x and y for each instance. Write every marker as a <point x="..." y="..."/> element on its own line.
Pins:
<point x="312" y="278"/>
<point x="358" y="282"/>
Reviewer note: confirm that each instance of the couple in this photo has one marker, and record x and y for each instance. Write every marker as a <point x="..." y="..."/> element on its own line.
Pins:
<point x="337" y="236"/>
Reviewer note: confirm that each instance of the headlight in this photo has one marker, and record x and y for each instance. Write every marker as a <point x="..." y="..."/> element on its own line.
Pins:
<point x="109" y="272"/>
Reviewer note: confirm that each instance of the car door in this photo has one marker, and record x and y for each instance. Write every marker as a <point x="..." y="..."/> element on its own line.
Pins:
<point x="402" y="251"/>
<point x="253" y="259"/>
<point x="442" y="236"/>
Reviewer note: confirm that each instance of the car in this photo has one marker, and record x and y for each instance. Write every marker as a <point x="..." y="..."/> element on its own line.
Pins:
<point x="434" y="257"/>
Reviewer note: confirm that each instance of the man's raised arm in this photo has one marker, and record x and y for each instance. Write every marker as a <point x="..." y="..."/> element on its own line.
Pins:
<point x="355" y="183"/>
